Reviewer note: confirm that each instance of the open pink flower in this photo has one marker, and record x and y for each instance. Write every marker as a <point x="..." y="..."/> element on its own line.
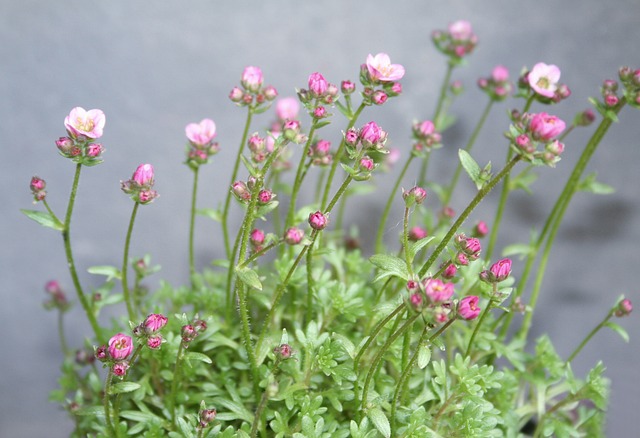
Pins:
<point x="201" y="134"/>
<point x="543" y="79"/>
<point x="468" y="307"/>
<point x="381" y="69"/>
<point x="120" y="346"/>
<point x="87" y="123"/>
<point x="437" y="290"/>
<point x="287" y="108"/>
<point x="544" y="126"/>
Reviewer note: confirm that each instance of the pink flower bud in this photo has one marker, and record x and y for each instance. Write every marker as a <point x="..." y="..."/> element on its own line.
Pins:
<point x="293" y="236"/>
<point x="437" y="290"/>
<point x="468" y="307"/>
<point x="236" y="95"/>
<point x="396" y="88"/>
<point x="424" y="129"/>
<point x="500" y="270"/>
<point x="241" y="191"/>
<point x="201" y="134"/>
<point x="89" y="124"/>
<point x="252" y="78"/>
<point x="318" y="221"/>
<point x="37" y="184"/>
<point x="154" y="342"/>
<point x="379" y="97"/>
<point x="291" y="129"/>
<point x="416" y="233"/>
<point x="625" y="307"/>
<point x="367" y="164"/>
<point x="317" y="84"/>
<point x="611" y="100"/>
<point x="347" y="87"/>
<point x="543" y="79"/>
<point x="585" y="118"/>
<point x="462" y="259"/>
<point x="120" y="368"/>
<point x="461" y="30"/>
<point x="524" y="143"/>
<point x="412" y="286"/>
<point x="120" y="346"/>
<point x="372" y="135"/>
<point x="101" y="353"/>
<point x="545" y="127"/>
<point x="500" y="73"/>
<point x="143" y="176"/>
<point x="188" y="333"/>
<point x="270" y="92"/>
<point x="94" y="150"/>
<point x="481" y="229"/>
<point x="287" y="108"/>
<point x="265" y="196"/>
<point x="284" y="351"/>
<point x="380" y="68"/>
<point x="450" y="271"/>
<point x="65" y="145"/>
<point x="207" y="415"/>
<point x="416" y="300"/>
<point x="415" y="195"/>
<point x="257" y="237"/>
<point x="154" y="323"/>
<point x="351" y="137"/>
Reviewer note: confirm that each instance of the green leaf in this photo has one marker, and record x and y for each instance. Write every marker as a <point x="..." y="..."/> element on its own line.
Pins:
<point x="424" y="356"/>
<point x="97" y="411"/>
<point x="123" y="387"/>
<point x="43" y="218"/>
<point x="140" y="416"/>
<point x="520" y="249"/>
<point x="249" y="277"/>
<point x="589" y="184"/>
<point x="619" y="330"/>
<point x="110" y="272"/>
<point x="471" y="167"/>
<point x="390" y="266"/>
<point x="211" y="213"/>
<point x="193" y="355"/>
<point x="380" y="421"/>
<point x="415" y="247"/>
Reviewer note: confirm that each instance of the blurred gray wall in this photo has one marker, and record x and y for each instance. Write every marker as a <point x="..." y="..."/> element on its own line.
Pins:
<point x="153" y="67"/>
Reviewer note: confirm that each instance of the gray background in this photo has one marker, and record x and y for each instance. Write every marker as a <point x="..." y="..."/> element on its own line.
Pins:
<point x="153" y="67"/>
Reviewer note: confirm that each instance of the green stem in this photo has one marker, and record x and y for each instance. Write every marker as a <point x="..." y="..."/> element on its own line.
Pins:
<point x="192" y="223"/>
<point x="174" y="384"/>
<point x="310" y="285"/>
<point x="257" y="254"/>
<point x="563" y="201"/>
<point x="230" y="276"/>
<point x="53" y="215"/>
<point x="125" y="265"/>
<point x="107" y="413"/>
<point x="484" y="314"/>
<point x="376" y="360"/>
<point x="443" y="93"/>
<point x="454" y="181"/>
<point x="374" y="333"/>
<point x="338" y="157"/>
<point x="387" y="208"/>
<point x="63" y="339"/>
<point x="297" y="182"/>
<point x="590" y="335"/>
<point x="234" y="175"/>
<point x="504" y="195"/>
<point x="263" y="402"/>
<point x="467" y="211"/>
<point x="405" y="241"/>
<point x="66" y="237"/>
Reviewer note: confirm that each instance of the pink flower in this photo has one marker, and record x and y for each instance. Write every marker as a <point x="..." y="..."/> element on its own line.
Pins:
<point x="319" y="112"/>
<point x="371" y="134"/>
<point x="424" y="129"/>
<point x="120" y="368"/>
<point x="416" y="300"/>
<point x="415" y="195"/>
<point x="543" y="79"/>
<point x="461" y="30"/>
<point x="624" y="308"/>
<point x="143" y="176"/>
<point x="257" y="237"/>
<point x="417" y="233"/>
<point x="351" y="137"/>
<point x="317" y="84"/>
<point x="265" y="196"/>
<point x="347" y="87"/>
<point x="481" y="229"/>
<point x="120" y="346"/>
<point x="154" y="342"/>
<point x="367" y="163"/>
<point x="201" y="134"/>
<point x="379" y="97"/>
<point x="287" y="108"/>
<point x="500" y="73"/>
<point x="500" y="270"/>
<point x="236" y="95"/>
<point x="87" y="123"/>
<point x="381" y="69"/>
<point x="545" y="127"/>
<point x="437" y="290"/>
<point x="450" y="271"/>
<point x="154" y="322"/>
<point x="293" y="236"/>
<point x="252" y="78"/>
<point x="94" y="150"/>
<point x="318" y="221"/>
<point x="468" y="307"/>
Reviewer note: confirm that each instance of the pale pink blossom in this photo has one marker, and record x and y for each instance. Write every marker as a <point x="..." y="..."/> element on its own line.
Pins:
<point x="545" y="126"/>
<point x="201" y="134"/>
<point x="468" y="307"/>
<point x="143" y="175"/>
<point x="120" y="346"/>
<point x="461" y="30"/>
<point x="500" y="73"/>
<point x="86" y="123"/>
<point x="437" y="290"/>
<point x="543" y="79"/>
<point x="287" y="108"/>
<point x="381" y="69"/>
<point x="252" y="78"/>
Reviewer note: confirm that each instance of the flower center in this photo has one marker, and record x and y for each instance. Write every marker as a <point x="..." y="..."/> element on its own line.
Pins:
<point x="85" y="125"/>
<point x="543" y="83"/>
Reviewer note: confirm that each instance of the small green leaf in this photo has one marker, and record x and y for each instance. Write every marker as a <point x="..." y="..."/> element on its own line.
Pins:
<point x="471" y="167"/>
<point x="619" y="330"/>
<point x="193" y="355"/>
<point x="211" y="213"/>
<point x="390" y="265"/>
<point x="43" y="218"/>
<point x="249" y="277"/>
<point x="520" y="249"/>
<point x="123" y="387"/>
<point x="589" y="184"/>
<point x="110" y="272"/>
<point x="424" y="356"/>
<point x="380" y="421"/>
<point x="415" y="247"/>
<point x="97" y="411"/>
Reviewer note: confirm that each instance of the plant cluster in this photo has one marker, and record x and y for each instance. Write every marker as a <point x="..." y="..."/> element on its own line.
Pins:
<point x="296" y="332"/>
